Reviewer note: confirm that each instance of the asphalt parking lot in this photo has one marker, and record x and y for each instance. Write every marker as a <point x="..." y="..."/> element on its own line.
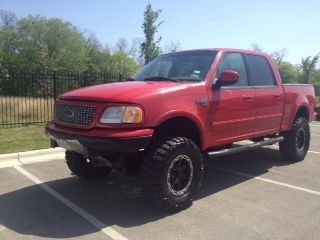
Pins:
<point x="251" y="195"/>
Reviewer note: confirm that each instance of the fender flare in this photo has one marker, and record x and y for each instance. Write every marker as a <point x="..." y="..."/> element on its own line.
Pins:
<point x="193" y="117"/>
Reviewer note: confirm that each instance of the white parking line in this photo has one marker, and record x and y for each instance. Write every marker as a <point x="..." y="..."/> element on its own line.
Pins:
<point x="2" y="228"/>
<point x="277" y="147"/>
<point x="87" y="216"/>
<point x="314" y="152"/>
<point x="265" y="180"/>
<point x="317" y="135"/>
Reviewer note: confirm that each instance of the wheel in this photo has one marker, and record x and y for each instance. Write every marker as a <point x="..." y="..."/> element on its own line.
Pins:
<point x="296" y="142"/>
<point x="84" y="169"/>
<point x="172" y="173"/>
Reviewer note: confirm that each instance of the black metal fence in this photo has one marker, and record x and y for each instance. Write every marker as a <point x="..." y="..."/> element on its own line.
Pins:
<point x="28" y="97"/>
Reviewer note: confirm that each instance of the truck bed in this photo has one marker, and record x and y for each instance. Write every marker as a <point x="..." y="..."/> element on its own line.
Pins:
<point x="295" y="94"/>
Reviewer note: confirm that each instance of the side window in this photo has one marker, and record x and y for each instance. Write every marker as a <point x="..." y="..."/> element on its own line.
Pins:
<point x="262" y="74"/>
<point x="234" y="61"/>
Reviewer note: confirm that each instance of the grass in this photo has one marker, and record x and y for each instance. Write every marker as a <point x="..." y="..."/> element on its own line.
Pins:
<point x="22" y="139"/>
<point x="25" y="109"/>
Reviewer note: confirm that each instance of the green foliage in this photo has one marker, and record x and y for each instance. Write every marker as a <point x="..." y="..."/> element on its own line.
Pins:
<point x="37" y="44"/>
<point x="308" y="66"/>
<point x="120" y="62"/>
<point x="50" y="45"/>
<point x="306" y="72"/>
<point x="289" y="73"/>
<point x="150" y="48"/>
<point x="97" y="58"/>
<point x="315" y="80"/>
<point x="8" y="47"/>
<point x="101" y="60"/>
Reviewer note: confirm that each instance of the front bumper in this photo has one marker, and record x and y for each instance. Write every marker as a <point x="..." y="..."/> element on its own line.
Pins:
<point x="99" y="140"/>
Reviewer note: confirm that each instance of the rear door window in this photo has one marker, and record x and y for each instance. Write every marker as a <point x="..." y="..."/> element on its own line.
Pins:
<point x="261" y="72"/>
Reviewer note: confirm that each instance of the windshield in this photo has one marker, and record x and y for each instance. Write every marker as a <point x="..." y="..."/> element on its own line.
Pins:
<point x="181" y="66"/>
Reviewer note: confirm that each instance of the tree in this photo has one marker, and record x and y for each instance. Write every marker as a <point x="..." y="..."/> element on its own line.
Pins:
<point x="50" y="45"/>
<point x="94" y="43"/>
<point x="122" y="45"/>
<point x="171" y="47"/>
<point x="289" y="73"/>
<point x="7" y="19"/>
<point x="8" y="47"/>
<point x="8" y="40"/>
<point x="134" y="50"/>
<point x="120" y="62"/>
<point x="315" y="80"/>
<point x="97" y="56"/>
<point x="256" y="47"/>
<point x="308" y="65"/>
<point x="278" y="55"/>
<point x="150" y="48"/>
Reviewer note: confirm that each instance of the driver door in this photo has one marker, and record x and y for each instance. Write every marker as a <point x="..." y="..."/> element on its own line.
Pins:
<point x="232" y="108"/>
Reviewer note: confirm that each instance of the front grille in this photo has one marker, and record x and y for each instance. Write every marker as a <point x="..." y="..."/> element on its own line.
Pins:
<point x="81" y="116"/>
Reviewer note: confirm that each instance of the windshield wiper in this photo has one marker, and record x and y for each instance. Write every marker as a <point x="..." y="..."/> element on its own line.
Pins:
<point x="158" y="78"/>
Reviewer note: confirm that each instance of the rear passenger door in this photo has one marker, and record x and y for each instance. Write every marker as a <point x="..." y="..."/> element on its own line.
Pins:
<point x="269" y="96"/>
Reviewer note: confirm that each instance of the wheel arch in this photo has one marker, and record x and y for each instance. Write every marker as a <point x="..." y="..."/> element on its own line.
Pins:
<point x="182" y="124"/>
<point x="302" y="111"/>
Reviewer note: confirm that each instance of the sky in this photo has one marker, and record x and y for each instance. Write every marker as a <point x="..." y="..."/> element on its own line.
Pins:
<point x="272" y="24"/>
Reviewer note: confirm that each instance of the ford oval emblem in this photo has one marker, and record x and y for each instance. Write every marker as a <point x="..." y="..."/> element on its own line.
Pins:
<point x="69" y="114"/>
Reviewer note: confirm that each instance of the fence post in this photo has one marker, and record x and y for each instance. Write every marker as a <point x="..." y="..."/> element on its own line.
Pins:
<point x="54" y="86"/>
<point x="120" y="77"/>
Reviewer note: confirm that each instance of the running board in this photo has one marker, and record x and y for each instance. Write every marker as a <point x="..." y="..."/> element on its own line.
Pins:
<point x="225" y="152"/>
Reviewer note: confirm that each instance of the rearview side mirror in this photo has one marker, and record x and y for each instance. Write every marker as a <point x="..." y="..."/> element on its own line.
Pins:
<point x="227" y="78"/>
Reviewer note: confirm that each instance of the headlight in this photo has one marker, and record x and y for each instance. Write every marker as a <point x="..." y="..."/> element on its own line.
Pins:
<point x="122" y="114"/>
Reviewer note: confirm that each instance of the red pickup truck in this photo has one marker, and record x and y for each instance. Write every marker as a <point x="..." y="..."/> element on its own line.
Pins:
<point x="178" y="109"/>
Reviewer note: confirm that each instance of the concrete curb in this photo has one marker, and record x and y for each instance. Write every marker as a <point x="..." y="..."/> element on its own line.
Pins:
<point x="7" y="160"/>
<point x="43" y="155"/>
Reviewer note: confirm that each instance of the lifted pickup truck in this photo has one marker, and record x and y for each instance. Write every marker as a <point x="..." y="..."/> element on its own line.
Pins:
<point x="178" y="109"/>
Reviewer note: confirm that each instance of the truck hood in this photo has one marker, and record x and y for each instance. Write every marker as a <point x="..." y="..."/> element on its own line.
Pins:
<point x="127" y="91"/>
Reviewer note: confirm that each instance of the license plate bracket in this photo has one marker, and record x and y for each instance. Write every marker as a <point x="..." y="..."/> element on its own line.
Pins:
<point x="71" y="145"/>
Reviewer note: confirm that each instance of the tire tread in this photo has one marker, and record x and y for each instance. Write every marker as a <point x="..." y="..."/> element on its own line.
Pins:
<point x="288" y="145"/>
<point x="153" y="169"/>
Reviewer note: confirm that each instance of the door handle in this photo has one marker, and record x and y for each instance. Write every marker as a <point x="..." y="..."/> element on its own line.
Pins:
<point x="247" y="99"/>
<point x="276" y="96"/>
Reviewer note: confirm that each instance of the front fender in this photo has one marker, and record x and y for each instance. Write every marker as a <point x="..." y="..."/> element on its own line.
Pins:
<point x="193" y="117"/>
